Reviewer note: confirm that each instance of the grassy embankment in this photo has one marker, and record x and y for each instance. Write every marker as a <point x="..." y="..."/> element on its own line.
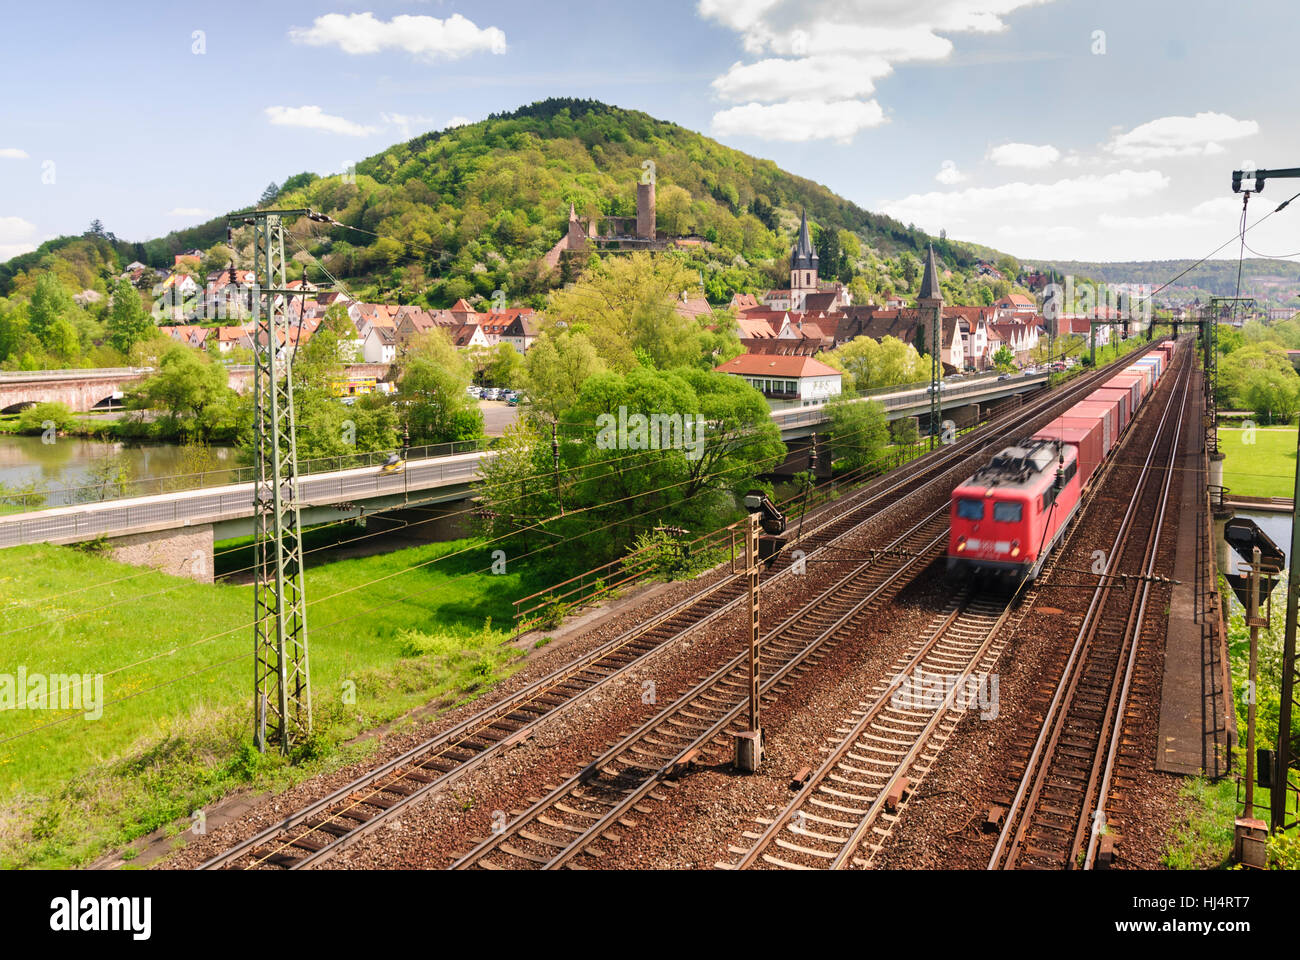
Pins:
<point x="1202" y="836"/>
<point x="1262" y="468"/>
<point x="175" y="730"/>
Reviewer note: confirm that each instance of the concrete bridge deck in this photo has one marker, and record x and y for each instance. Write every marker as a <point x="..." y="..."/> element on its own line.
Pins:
<point x="175" y="531"/>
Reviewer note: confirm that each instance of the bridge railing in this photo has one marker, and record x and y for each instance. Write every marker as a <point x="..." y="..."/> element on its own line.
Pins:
<point x="72" y="373"/>
<point x="29" y="500"/>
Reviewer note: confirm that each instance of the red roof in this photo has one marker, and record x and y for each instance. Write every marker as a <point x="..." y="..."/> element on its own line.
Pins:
<point x="767" y="365"/>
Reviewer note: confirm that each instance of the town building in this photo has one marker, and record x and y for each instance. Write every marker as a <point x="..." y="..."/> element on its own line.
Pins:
<point x="786" y="381"/>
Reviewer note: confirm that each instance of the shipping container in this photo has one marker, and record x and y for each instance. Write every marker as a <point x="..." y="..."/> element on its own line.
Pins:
<point x="1086" y="435"/>
<point x="1147" y="375"/>
<point x="1135" y="383"/>
<point x="1156" y="361"/>
<point x="1126" y="407"/>
<point x="1104" y="412"/>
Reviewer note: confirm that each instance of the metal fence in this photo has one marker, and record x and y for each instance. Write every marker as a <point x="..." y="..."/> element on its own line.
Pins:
<point x="233" y="502"/>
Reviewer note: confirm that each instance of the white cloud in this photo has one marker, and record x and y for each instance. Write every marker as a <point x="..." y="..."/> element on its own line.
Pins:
<point x="314" y="118"/>
<point x="1200" y="135"/>
<point x="420" y="36"/>
<point x="458" y="122"/>
<point x="16" y="236"/>
<point x="188" y="212"/>
<point x="405" y="123"/>
<point x="1024" y="155"/>
<point x="894" y="29"/>
<point x="1219" y="211"/>
<point x="949" y="175"/>
<point x="811" y="78"/>
<point x="12" y="153"/>
<point x="799" y="120"/>
<point x="984" y="211"/>
<point x="830" y="53"/>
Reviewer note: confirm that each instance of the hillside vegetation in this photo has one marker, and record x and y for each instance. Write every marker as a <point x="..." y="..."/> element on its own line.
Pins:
<point x="468" y="211"/>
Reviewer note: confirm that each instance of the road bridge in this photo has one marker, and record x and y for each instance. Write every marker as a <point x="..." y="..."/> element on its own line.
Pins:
<point x="175" y="531"/>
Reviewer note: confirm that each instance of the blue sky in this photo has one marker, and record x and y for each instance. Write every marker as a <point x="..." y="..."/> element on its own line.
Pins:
<point x="1046" y="128"/>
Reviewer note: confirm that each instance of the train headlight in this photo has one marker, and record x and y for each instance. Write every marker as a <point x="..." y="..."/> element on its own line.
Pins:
<point x="1015" y="548"/>
<point x="961" y="545"/>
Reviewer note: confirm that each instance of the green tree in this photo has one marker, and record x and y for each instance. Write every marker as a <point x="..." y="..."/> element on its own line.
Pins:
<point x="503" y="366"/>
<point x="859" y="432"/>
<point x="1004" y="359"/>
<point x="128" y="324"/>
<point x="189" y="390"/>
<point x="556" y="368"/>
<point x="626" y="306"/>
<point x="49" y="315"/>
<point x="432" y="389"/>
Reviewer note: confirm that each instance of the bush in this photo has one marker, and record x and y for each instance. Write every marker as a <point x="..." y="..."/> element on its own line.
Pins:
<point x="35" y="418"/>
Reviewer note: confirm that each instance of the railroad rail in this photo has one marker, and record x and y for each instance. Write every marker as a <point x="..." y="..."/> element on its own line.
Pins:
<point x="1057" y="817"/>
<point x="588" y="806"/>
<point x="861" y="787"/>
<point x="324" y="827"/>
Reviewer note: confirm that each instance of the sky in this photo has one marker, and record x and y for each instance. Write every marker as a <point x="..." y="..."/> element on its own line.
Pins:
<point x="1048" y="129"/>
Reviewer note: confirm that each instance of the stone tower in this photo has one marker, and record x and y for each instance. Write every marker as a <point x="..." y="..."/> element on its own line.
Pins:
<point x="645" y="211"/>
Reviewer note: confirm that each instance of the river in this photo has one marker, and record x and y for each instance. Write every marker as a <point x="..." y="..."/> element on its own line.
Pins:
<point x="64" y="465"/>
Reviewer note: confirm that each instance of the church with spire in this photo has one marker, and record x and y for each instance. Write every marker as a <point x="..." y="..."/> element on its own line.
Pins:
<point x="807" y="294"/>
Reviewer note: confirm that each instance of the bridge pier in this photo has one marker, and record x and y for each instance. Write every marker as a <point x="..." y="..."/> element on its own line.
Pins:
<point x="963" y="417"/>
<point x="434" y="523"/>
<point x="799" y="457"/>
<point x="182" y="551"/>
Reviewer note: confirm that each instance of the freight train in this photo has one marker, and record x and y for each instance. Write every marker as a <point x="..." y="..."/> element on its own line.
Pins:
<point x="1007" y="518"/>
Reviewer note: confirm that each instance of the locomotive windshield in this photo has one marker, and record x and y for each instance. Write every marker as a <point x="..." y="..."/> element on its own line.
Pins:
<point x="969" y="509"/>
<point x="1008" y="511"/>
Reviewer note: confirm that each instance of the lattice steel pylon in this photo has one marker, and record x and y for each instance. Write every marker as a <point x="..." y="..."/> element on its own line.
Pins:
<point x="281" y="674"/>
<point x="1210" y="342"/>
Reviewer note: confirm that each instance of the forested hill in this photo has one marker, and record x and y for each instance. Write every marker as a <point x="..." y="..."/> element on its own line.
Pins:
<point x="1272" y="281"/>
<point x="470" y="210"/>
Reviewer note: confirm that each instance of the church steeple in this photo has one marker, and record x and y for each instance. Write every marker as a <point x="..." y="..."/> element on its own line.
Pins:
<point x="931" y="293"/>
<point x="803" y="266"/>
<point x="803" y="256"/>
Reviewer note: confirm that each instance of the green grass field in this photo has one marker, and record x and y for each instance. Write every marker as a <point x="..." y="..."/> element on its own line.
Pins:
<point x="175" y="730"/>
<point x="1265" y="468"/>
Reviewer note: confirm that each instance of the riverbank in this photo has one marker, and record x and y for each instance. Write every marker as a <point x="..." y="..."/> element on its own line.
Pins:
<point x="388" y="633"/>
<point x="1260" y="462"/>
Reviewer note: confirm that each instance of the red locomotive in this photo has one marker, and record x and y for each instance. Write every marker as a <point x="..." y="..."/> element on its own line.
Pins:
<point x="1006" y="519"/>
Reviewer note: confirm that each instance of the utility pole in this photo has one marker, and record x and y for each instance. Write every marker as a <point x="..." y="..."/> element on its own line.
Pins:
<point x="749" y="745"/>
<point x="1282" y="773"/>
<point x="931" y="299"/>
<point x="1249" y="833"/>
<point x="281" y="673"/>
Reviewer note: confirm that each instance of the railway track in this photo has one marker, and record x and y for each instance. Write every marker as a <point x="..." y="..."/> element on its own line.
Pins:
<point x="323" y="828"/>
<point x="587" y="807"/>
<point x="856" y="795"/>
<point x="1057" y="818"/>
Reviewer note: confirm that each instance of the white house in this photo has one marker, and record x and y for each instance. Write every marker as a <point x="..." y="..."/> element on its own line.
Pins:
<point x="381" y="345"/>
<point x="786" y="381"/>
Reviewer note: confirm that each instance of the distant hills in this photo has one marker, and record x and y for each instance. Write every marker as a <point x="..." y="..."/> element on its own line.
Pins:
<point x="1274" y="282"/>
<point x="472" y="209"/>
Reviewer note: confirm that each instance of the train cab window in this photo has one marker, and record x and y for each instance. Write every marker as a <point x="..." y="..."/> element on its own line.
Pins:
<point x="969" y="509"/>
<point x="1008" y="511"/>
<point x="1049" y="498"/>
